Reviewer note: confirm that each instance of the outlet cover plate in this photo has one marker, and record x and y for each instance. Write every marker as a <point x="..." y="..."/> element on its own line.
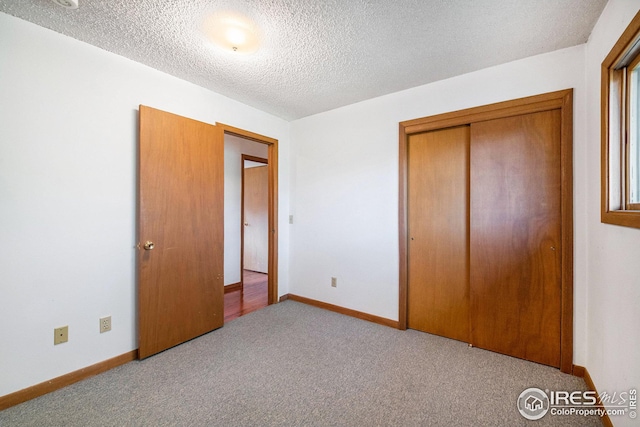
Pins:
<point x="60" y="335"/>
<point x="105" y="324"/>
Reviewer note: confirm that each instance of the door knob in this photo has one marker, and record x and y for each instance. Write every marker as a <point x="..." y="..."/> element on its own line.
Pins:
<point x="148" y="245"/>
<point x="246" y="224"/>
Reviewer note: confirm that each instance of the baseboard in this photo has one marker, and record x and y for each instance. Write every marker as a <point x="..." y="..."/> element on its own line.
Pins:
<point x="342" y="310"/>
<point x="37" y="390"/>
<point x="283" y="298"/>
<point x="582" y="372"/>
<point x="232" y="287"/>
<point x="578" y="371"/>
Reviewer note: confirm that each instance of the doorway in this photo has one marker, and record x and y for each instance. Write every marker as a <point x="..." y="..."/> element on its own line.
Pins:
<point x="251" y="232"/>
<point x="180" y="265"/>
<point x="255" y="219"/>
<point x="250" y="262"/>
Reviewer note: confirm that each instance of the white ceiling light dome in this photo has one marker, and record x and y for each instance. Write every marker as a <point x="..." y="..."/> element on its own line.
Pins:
<point x="232" y="32"/>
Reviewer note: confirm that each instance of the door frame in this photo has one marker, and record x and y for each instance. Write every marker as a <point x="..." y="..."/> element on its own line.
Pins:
<point x="562" y="100"/>
<point x="244" y="157"/>
<point x="272" y="164"/>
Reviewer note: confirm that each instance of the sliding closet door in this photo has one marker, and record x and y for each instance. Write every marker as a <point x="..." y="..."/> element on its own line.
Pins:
<point x="438" y="178"/>
<point x="515" y="236"/>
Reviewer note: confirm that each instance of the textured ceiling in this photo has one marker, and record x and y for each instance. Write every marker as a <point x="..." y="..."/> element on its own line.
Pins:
<point x="316" y="55"/>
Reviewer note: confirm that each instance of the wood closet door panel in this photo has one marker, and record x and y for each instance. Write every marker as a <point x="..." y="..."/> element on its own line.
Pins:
<point x="515" y="240"/>
<point x="438" y="291"/>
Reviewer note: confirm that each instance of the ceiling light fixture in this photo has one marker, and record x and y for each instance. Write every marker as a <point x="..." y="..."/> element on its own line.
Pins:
<point x="69" y="4"/>
<point x="233" y="33"/>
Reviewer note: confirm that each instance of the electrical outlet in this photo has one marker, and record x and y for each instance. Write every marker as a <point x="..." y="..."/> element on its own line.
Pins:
<point x="105" y="324"/>
<point x="334" y="282"/>
<point x="60" y="335"/>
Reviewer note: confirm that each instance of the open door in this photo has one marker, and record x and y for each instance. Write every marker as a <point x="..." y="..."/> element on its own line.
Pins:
<point x="255" y="214"/>
<point x="180" y="226"/>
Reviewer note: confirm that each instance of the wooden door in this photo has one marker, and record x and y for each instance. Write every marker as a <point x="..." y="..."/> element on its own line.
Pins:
<point x="180" y="279"/>
<point x="256" y="218"/>
<point x="515" y="236"/>
<point x="438" y="179"/>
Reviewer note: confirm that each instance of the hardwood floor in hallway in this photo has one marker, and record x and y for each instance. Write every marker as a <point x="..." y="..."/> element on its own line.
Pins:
<point x="254" y="296"/>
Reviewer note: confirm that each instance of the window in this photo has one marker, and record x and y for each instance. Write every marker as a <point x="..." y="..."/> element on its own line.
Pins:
<point x="634" y="137"/>
<point x="621" y="130"/>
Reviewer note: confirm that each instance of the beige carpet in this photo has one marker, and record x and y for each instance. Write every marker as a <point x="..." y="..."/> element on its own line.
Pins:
<point x="295" y="365"/>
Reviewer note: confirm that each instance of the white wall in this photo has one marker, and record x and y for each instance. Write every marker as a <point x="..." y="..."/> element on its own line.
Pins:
<point x="68" y="133"/>
<point x="234" y="148"/>
<point x="344" y="188"/>
<point x="68" y="136"/>
<point x="613" y="268"/>
<point x="345" y="182"/>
